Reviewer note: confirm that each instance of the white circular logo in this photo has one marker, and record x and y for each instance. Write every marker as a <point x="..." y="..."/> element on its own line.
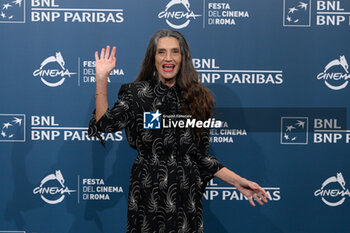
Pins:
<point x="330" y="78"/>
<point x="333" y="196"/>
<point x="58" y="193"/>
<point x="49" y="76"/>
<point x="176" y="18"/>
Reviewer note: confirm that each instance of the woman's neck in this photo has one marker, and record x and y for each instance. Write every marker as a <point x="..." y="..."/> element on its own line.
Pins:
<point x="168" y="82"/>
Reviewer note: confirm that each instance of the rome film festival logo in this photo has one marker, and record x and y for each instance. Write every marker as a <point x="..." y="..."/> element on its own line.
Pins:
<point x="335" y="74"/>
<point x="297" y="13"/>
<point x="57" y="193"/>
<point x="333" y="196"/>
<point x="12" y="128"/>
<point x="12" y="11"/>
<point x="151" y="120"/>
<point x="53" y="75"/>
<point x="175" y="16"/>
<point x="294" y="130"/>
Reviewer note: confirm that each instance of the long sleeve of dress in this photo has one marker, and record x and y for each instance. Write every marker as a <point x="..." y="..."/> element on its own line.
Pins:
<point x="208" y="164"/>
<point x="114" y="119"/>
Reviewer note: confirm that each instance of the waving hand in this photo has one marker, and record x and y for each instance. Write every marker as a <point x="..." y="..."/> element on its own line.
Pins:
<point x="105" y="63"/>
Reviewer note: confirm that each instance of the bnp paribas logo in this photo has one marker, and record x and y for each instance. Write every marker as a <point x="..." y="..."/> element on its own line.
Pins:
<point x="12" y="128"/>
<point x="294" y="130"/>
<point x="12" y="11"/>
<point x="151" y="120"/>
<point x="297" y="13"/>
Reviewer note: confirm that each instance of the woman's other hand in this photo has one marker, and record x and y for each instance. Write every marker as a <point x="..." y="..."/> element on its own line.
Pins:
<point x="252" y="191"/>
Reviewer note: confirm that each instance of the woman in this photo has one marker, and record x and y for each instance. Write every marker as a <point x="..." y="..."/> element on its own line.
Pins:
<point x="173" y="165"/>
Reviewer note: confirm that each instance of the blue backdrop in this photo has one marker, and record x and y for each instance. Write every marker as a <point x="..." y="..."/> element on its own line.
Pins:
<point x="279" y="72"/>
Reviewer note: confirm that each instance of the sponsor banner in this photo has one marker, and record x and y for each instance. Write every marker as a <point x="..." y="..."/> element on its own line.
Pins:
<point x="332" y="13"/>
<point x="295" y="130"/>
<point x="330" y="131"/>
<point x="215" y="192"/>
<point x="295" y="125"/>
<point x="56" y="11"/>
<point x="56" y="71"/>
<point x="333" y="191"/>
<point x="320" y="126"/>
<point x="210" y="72"/>
<point x="307" y="13"/>
<point x="53" y="190"/>
<point x="47" y="128"/>
<point x="181" y="14"/>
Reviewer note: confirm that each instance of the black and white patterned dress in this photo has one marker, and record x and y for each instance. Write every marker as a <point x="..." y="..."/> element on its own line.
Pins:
<point x="171" y="170"/>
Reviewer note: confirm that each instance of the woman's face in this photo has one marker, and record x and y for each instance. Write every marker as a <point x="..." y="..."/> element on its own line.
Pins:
<point x="168" y="59"/>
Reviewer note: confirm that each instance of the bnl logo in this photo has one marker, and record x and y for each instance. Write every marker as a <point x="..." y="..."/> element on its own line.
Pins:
<point x="12" y="11"/>
<point x="151" y="120"/>
<point x="12" y="128"/>
<point x="294" y="130"/>
<point x="297" y="13"/>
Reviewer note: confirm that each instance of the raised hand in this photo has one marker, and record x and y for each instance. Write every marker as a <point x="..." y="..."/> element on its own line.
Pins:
<point x="252" y="191"/>
<point x="105" y="63"/>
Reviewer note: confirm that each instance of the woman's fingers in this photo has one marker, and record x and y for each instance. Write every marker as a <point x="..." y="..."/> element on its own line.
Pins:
<point x="262" y="197"/>
<point x="263" y="194"/>
<point x="113" y="52"/>
<point x="96" y="56"/>
<point x="257" y="199"/>
<point x="108" y="48"/>
<point x="259" y="191"/>
<point x="250" y="199"/>
<point x="258" y="194"/>
<point x="102" y="55"/>
<point x="106" y="53"/>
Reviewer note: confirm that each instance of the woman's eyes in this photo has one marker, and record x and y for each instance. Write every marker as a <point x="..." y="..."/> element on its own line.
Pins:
<point x="175" y="51"/>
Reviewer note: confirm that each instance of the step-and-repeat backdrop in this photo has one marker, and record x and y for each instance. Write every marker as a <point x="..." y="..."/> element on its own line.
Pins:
<point x="280" y="75"/>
